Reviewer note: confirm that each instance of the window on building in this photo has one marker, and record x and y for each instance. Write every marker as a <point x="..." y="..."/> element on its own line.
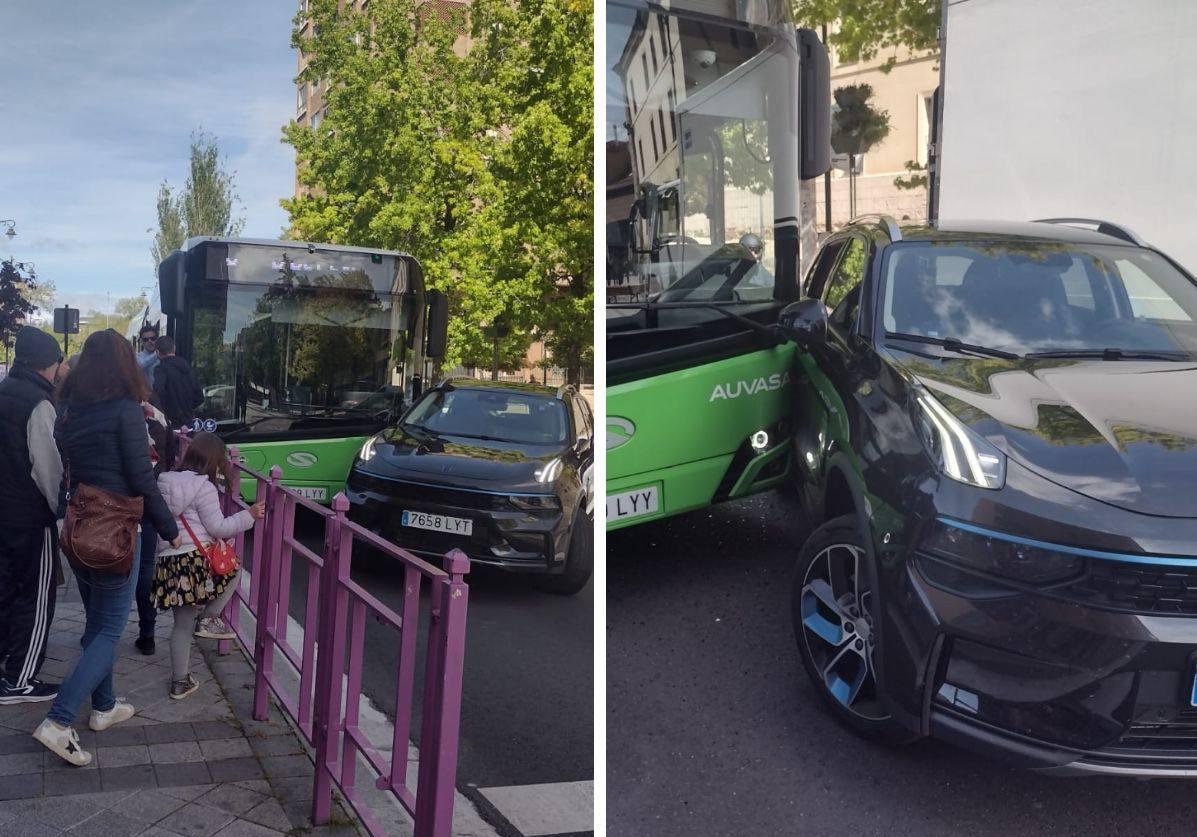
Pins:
<point x="632" y="96"/>
<point x="640" y="151"/>
<point x="317" y="118"/>
<point x="663" y="23"/>
<point x="652" y="47"/>
<point x="301" y="98"/>
<point x="926" y="114"/>
<point x="644" y="68"/>
<point x="653" y="130"/>
<point x="661" y="120"/>
<point x="672" y="118"/>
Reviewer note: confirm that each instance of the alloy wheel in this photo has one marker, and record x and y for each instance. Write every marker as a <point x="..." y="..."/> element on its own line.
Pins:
<point x="837" y="627"/>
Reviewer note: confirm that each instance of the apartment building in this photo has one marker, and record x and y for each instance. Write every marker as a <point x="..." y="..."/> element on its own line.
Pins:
<point x="905" y="93"/>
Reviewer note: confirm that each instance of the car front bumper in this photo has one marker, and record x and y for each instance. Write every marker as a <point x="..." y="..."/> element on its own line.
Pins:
<point x="1055" y="681"/>
<point x="527" y="541"/>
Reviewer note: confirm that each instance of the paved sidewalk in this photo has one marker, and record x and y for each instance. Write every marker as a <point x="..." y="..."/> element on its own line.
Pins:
<point x="196" y="768"/>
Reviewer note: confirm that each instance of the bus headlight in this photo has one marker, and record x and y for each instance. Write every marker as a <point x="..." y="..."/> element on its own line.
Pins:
<point x="959" y="452"/>
<point x="759" y="440"/>
<point x="367" y="451"/>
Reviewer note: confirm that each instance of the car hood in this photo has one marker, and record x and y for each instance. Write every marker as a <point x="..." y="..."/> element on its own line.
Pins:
<point x="461" y="461"/>
<point x="1122" y="432"/>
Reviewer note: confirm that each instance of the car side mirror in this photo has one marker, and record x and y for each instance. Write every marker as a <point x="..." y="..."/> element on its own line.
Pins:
<point x="582" y="446"/>
<point x="804" y="322"/>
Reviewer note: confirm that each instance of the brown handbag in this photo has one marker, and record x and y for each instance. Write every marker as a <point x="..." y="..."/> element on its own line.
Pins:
<point x="100" y="531"/>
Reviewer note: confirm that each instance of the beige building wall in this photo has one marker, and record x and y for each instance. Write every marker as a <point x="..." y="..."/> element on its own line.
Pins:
<point x="905" y="93"/>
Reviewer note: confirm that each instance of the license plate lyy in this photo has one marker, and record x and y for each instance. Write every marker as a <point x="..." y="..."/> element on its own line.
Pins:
<point x="310" y="493"/>
<point x="437" y="523"/>
<point x="635" y="503"/>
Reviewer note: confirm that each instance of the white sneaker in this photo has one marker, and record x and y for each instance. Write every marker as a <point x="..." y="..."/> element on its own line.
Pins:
<point x="63" y="742"/>
<point x="213" y="627"/>
<point x="120" y="711"/>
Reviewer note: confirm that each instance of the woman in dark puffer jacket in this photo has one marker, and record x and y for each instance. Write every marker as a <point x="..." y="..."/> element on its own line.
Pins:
<point x="102" y="434"/>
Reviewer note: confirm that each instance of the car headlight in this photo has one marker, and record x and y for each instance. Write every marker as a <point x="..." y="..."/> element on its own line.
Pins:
<point x="959" y="452"/>
<point x="996" y="555"/>
<point x="534" y="502"/>
<point x="368" y="450"/>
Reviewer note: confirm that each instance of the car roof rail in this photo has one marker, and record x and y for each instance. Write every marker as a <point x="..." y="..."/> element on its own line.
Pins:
<point x="1103" y="227"/>
<point x="885" y="223"/>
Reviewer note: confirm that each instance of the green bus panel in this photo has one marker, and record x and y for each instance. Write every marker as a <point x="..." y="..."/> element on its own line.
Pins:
<point x="311" y="464"/>
<point x="679" y="433"/>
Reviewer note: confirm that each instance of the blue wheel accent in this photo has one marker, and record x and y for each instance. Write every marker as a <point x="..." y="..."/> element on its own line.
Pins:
<point x="817" y="622"/>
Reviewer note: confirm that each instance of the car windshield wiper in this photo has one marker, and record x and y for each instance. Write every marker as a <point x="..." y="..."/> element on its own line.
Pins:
<point x="1116" y="354"/>
<point x="952" y="344"/>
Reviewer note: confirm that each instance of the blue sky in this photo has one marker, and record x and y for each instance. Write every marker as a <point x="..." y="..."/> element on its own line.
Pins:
<point x="97" y="105"/>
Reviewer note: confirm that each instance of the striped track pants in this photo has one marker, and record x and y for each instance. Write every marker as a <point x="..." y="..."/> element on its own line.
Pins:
<point x="27" y="593"/>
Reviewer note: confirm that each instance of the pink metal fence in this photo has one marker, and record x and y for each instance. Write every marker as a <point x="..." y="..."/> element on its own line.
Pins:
<point x="334" y="620"/>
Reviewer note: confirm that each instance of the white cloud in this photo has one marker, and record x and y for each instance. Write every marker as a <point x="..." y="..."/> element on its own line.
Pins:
<point x="99" y="104"/>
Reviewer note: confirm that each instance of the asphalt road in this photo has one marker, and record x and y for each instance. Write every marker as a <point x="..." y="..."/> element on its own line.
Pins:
<point x="527" y="713"/>
<point x="713" y="729"/>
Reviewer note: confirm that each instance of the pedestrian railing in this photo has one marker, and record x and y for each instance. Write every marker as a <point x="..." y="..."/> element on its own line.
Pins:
<point x="329" y="663"/>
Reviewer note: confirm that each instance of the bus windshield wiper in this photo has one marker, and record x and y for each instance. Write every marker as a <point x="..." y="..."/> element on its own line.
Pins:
<point x="769" y="330"/>
<point x="953" y="344"/>
<point x="1116" y="354"/>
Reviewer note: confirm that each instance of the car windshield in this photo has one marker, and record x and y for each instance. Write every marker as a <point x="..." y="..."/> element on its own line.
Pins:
<point x="519" y="417"/>
<point x="1029" y="297"/>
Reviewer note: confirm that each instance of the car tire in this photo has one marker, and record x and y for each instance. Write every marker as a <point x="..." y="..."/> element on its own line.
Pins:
<point x="833" y="629"/>
<point x="579" y="561"/>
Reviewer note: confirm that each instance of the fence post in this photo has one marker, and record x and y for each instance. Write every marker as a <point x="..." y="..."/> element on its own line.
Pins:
<point x="232" y="490"/>
<point x="442" y="700"/>
<point x="263" y="652"/>
<point x="330" y="658"/>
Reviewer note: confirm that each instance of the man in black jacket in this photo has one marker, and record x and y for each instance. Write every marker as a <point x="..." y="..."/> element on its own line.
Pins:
<point x="175" y="384"/>
<point x="30" y="477"/>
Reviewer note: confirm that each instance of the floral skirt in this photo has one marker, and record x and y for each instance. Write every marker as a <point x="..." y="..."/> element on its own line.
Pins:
<point x="182" y="580"/>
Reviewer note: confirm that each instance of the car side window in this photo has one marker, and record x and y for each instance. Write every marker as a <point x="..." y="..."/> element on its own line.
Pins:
<point x="587" y="416"/>
<point x="820" y="270"/>
<point x="581" y="426"/>
<point x="849" y="270"/>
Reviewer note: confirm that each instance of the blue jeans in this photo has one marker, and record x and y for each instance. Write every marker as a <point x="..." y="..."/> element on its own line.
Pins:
<point x="146" y="612"/>
<point x="107" y="598"/>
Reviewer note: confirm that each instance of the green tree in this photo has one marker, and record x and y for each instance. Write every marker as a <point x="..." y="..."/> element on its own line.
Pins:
<point x="204" y="206"/>
<point x="856" y="126"/>
<point x="14" y="301"/>
<point x="479" y="163"/>
<point x="860" y="29"/>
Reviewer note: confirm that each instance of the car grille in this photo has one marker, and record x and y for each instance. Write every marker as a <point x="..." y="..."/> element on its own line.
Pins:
<point x="1139" y="588"/>
<point x="426" y="494"/>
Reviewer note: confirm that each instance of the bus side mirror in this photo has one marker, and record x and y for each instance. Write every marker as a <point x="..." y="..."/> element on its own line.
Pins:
<point x="438" y="324"/>
<point x="804" y="322"/>
<point x="814" y="126"/>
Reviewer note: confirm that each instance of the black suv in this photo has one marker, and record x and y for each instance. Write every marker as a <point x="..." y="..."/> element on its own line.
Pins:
<point x="502" y="471"/>
<point x="998" y="444"/>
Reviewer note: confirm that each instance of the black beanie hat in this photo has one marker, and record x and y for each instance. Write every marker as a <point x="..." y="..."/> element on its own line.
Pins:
<point x="36" y="349"/>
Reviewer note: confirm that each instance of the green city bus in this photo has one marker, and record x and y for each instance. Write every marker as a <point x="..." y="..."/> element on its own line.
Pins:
<point x="716" y="111"/>
<point x="303" y="351"/>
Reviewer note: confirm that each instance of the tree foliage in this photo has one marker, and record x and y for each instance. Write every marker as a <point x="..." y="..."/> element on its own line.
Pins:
<point x="14" y="301"/>
<point x="478" y="162"/>
<point x="856" y="126"/>
<point x="861" y="29"/>
<point x="204" y="206"/>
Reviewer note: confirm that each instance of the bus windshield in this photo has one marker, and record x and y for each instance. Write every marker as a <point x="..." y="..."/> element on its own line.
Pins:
<point x="278" y="338"/>
<point x="701" y="151"/>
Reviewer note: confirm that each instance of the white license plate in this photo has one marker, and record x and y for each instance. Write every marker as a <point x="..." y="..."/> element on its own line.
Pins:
<point x="635" y="503"/>
<point x="437" y="523"/>
<point x="309" y="493"/>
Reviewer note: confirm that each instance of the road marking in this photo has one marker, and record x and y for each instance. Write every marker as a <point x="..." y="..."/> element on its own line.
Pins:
<point x="540" y="810"/>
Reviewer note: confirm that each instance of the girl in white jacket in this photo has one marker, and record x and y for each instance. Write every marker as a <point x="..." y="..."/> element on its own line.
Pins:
<point x="182" y="581"/>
